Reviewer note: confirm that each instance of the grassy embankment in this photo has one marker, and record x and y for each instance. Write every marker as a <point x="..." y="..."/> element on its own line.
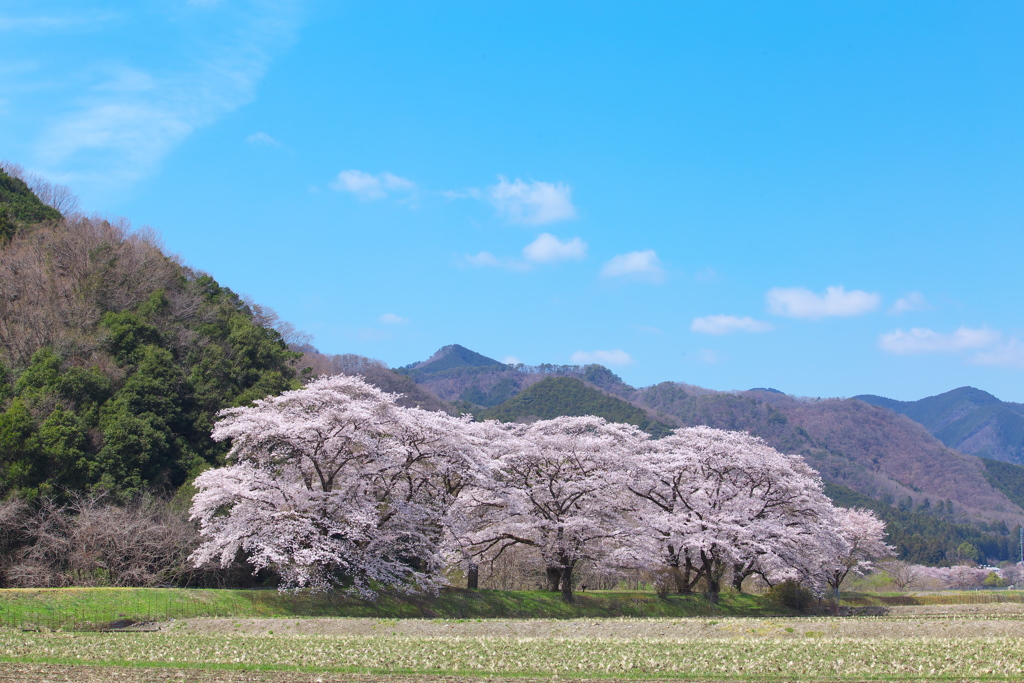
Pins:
<point x="64" y="607"/>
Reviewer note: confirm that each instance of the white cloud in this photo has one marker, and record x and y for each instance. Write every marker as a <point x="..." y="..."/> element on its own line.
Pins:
<point x="799" y="302"/>
<point x="547" y="249"/>
<point x="261" y="138"/>
<point x="392" y="319"/>
<point x="923" y="340"/>
<point x="511" y="360"/>
<point x="914" y="301"/>
<point x="642" y="265"/>
<point x="615" y="357"/>
<point x="1007" y="354"/>
<point x="727" y="324"/>
<point x="112" y="134"/>
<point x="367" y="186"/>
<point x="532" y="203"/>
<point x="486" y="259"/>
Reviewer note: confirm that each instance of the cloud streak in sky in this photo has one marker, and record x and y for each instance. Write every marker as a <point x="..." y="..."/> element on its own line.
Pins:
<point x="914" y="301"/>
<point x="368" y="187"/>
<point x="727" y="324"/>
<point x="549" y="249"/>
<point x="614" y="357"/>
<point x="533" y="202"/>
<point x="638" y="265"/>
<point x="799" y="302"/>
<point x="918" y="340"/>
<point x="118" y="129"/>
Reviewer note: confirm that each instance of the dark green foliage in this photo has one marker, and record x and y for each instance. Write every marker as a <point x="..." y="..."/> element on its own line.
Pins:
<point x="503" y="390"/>
<point x="967" y="419"/>
<point x="1006" y="477"/>
<point x="126" y="403"/>
<point x="932" y="537"/>
<point x="791" y="595"/>
<point x="568" y="396"/>
<point x="19" y="207"/>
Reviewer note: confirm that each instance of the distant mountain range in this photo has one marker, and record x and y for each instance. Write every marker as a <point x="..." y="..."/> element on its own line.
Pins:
<point x="967" y="419"/>
<point x="905" y="460"/>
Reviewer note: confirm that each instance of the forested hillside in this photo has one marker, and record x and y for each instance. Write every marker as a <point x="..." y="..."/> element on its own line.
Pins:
<point x="968" y="420"/>
<point x="558" y="396"/>
<point x="114" y="356"/>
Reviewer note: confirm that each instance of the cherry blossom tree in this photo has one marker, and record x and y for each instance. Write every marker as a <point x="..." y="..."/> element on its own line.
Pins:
<point x="335" y="485"/>
<point x="864" y="535"/>
<point x="719" y="502"/>
<point x="556" y="486"/>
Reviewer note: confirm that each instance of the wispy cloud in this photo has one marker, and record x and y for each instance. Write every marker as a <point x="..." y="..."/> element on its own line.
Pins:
<point x="392" y="319"/>
<point x="640" y="265"/>
<point x="533" y="202"/>
<point x="368" y="187"/>
<point x="261" y="139"/>
<point x="914" y="301"/>
<point x="727" y="324"/>
<point x="549" y="249"/>
<point x="486" y="259"/>
<point x="614" y="357"/>
<point x="57" y="23"/>
<point x="919" y="340"/>
<point x="708" y="356"/>
<point x="545" y="249"/>
<point x="1009" y="354"/>
<point x="511" y="360"/>
<point x="799" y="302"/>
<point x="129" y="118"/>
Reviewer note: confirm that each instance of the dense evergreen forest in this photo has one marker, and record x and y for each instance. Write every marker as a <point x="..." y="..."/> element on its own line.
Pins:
<point x="114" y="357"/>
<point x="929" y="534"/>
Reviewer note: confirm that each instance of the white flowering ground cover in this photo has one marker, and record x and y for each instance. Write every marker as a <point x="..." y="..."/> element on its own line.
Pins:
<point x="926" y="648"/>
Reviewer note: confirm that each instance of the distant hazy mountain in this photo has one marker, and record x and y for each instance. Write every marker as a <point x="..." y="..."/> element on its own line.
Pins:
<point x="967" y="419"/>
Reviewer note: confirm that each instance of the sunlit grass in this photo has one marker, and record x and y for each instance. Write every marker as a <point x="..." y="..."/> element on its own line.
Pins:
<point x="55" y="608"/>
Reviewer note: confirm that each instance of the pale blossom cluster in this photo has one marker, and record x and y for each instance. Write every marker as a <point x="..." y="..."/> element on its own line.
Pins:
<point x="966" y="577"/>
<point x="336" y="485"/>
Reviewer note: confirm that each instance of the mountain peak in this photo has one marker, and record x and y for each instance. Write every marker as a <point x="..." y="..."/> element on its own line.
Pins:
<point x="451" y="357"/>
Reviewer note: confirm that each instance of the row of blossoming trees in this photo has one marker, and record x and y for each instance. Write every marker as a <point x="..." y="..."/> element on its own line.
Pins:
<point x="337" y="485"/>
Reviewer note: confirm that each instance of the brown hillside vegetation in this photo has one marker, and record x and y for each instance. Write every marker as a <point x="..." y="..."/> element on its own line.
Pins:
<point x="896" y="447"/>
<point x="871" y="450"/>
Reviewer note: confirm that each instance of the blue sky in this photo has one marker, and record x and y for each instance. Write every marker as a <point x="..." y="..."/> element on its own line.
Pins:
<point x="824" y="198"/>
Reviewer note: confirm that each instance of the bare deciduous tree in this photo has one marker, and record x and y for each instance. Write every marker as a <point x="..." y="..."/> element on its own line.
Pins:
<point x="903" y="574"/>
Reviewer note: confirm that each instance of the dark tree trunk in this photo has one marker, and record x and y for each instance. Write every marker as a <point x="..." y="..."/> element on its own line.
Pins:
<point x="554" y="578"/>
<point x="567" y="585"/>
<point x="473" y="576"/>
<point x="737" y="581"/>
